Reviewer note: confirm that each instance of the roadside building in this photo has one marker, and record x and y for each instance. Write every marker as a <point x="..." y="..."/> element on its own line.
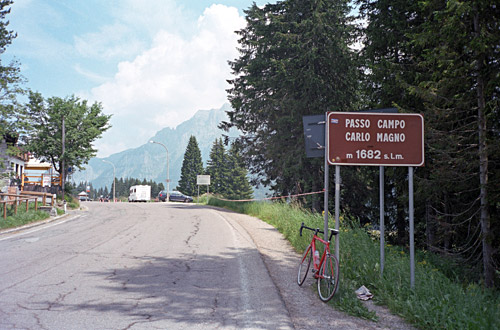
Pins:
<point x="83" y="196"/>
<point x="12" y="162"/>
<point x="19" y="171"/>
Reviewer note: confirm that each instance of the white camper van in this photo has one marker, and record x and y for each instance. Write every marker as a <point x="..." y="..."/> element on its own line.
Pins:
<point x="140" y="194"/>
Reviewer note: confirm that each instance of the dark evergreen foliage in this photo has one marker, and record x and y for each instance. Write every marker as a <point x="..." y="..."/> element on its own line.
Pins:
<point x="217" y="168"/>
<point x="236" y="185"/>
<point x="228" y="174"/>
<point x="192" y="166"/>
<point x="294" y="61"/>
<point x="442" y="59"/>
<point x="438" y="58"/>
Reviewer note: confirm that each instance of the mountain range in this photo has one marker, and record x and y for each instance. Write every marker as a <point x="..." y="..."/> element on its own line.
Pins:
<point x="149" y="161"/>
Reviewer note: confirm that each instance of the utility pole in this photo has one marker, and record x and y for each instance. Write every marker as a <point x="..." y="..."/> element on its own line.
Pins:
<point x="63" y="172"/>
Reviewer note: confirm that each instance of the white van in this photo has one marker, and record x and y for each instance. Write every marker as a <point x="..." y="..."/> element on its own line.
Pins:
<point x="140" y="193"/>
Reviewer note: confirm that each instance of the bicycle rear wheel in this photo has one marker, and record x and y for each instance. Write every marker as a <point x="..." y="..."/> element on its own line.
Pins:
<point x="305" y="263"/>
<point x="328" y="279"/>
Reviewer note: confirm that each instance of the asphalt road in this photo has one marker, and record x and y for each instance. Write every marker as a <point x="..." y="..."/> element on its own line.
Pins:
<point x="137" y="266"/>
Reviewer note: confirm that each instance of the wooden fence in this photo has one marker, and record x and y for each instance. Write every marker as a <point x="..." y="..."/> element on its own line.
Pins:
<point x="25" y="196"/>
<point x="55" y="180"/>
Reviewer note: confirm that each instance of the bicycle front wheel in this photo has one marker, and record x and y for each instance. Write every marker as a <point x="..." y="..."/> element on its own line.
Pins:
<point x="328" y="279"/>
<point x="305" y="263"/>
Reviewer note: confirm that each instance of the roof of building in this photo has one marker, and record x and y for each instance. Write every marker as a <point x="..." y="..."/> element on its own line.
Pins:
<point x="34" y="164"/>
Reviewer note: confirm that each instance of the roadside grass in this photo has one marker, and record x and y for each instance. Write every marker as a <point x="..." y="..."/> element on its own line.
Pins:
<point x="71" y="202"/>
<point x="436" y="302"/>
<point x="203" y="199"/>
<point x="22" y="217"/>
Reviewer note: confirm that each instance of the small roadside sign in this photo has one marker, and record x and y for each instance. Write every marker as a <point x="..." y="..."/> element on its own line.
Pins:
<point x="203" y="180"/>
<point x="314" y="134"/>
<point x="46" y="180"/>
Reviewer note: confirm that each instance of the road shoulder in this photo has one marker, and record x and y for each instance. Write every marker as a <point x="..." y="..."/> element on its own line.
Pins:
<point x="303" y="304"/>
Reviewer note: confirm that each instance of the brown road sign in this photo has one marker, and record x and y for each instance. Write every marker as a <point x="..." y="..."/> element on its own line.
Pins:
<point x="378" y="139"/>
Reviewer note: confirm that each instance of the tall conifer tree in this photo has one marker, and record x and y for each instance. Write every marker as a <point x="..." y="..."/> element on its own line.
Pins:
<point x="217" y="167"/>
<point x="294" y="61"/>
<point x="441" y="58"/>
<point x="461" y="97"/>
<point x="237" y="185"/>
<point x="192" y="166"/>
<point x="390" y="61"/>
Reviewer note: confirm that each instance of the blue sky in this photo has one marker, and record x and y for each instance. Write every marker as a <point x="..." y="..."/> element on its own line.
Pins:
<point x="151" y="63"/>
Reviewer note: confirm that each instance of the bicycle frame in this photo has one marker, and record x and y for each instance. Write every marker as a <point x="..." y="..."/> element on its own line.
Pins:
<point x="325" y="268"/>
<point x="323" y="255"/>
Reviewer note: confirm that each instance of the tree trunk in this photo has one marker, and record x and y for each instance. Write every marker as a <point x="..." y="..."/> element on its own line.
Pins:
<point x="401" y="224"/>
<point x="430" y="225"/>
<point x="486" y="238"/>
<point x="446" y="224"/>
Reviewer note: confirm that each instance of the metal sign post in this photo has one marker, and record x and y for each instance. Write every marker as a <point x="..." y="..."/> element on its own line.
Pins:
<point x="378" y="139"/>
<point x="327" y="179"/>
<point x="382" y="225"/>
<point x="337" y="210"/>
<point x="412" y="240"/>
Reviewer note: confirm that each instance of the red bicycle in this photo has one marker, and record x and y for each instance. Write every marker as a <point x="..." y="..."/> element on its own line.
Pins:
<point x="325" y="268"/>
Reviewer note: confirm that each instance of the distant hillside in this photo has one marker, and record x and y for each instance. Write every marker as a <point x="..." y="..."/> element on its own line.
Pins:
<point x="149" y="161"/>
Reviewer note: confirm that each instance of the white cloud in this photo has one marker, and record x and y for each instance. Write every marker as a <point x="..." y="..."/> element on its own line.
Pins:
<point x="168" y="83"/>
<point x="90" y="75"/>
<point x="149" y="16"/>
<point x="112" y="41"/>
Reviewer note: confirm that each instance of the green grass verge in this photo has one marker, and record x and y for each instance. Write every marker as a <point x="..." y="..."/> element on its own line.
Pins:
<point x="437" y="302"/>
<point x="22" y="217"/>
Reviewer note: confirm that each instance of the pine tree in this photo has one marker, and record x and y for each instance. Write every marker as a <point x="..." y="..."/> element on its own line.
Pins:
<point x="237" y="185"/>
<point x="461" y="95"/>
<point x="441" y="58"/>
<point x="217" y="168"/>
<point x="121" y="190"/>
<point x="192" y="166"/>
<point x="390" y="62"/>
<point x="294" y="61"/>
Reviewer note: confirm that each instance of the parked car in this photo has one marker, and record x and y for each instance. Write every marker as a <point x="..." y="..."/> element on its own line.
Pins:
<point x="175" y="196"/>
<point x="162" y="196"/>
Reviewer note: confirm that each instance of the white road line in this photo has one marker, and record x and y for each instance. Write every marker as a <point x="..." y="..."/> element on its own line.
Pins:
<point x="243" y="270"/>
<point x="40" y="228"/>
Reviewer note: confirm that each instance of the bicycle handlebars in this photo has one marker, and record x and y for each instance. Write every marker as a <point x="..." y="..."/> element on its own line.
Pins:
<point x="316" y="231"/>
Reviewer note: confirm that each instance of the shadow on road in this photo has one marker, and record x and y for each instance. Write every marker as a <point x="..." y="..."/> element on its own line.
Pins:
<point x="193" y="289"/>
